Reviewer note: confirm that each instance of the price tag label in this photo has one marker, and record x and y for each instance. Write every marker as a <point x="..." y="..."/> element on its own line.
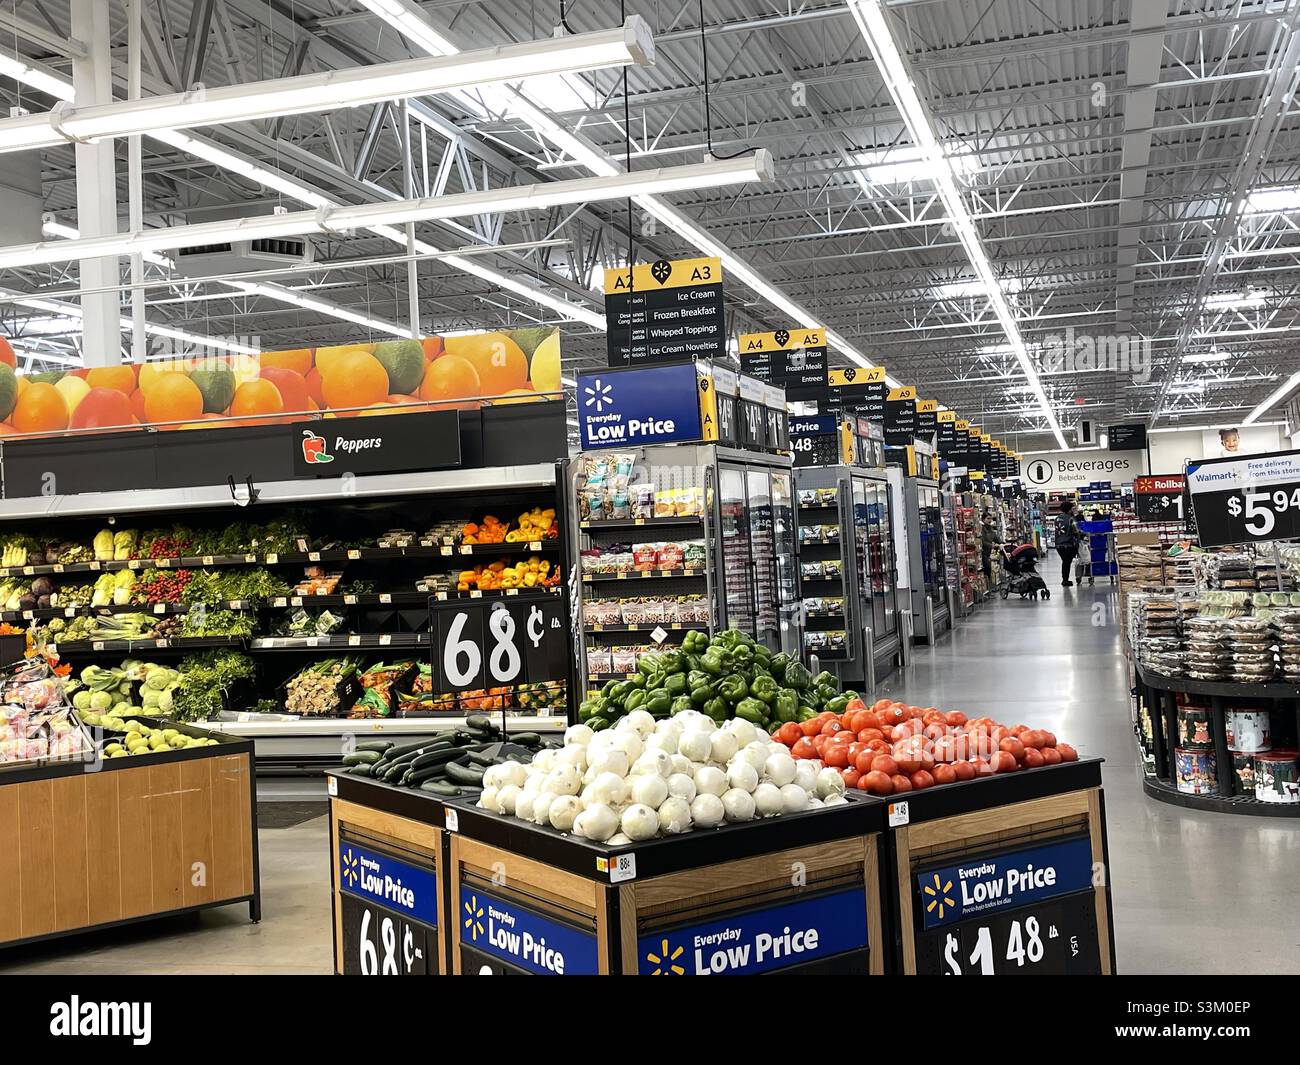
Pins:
<point x="96" y="564"/>
<point x="69" y="611"/>
<point x="354" y="641"/>
<point x="272" y="558"/>
<point x="97" y="645"/>
<point x="28" y="614"/>
<point x="295" y="600"/>
<point x="133" y="564"/>
<point x="621" y="867"/>
<point x="58" y="567"/>
<point x="279" y="600"/>
<point x="353" y="554"/>
<point x="159" y="563"/>
<point x="267" y="642"/>
<point x="466" y="549"/>
<point x="28" y="570"/>
<point x="476" y="594"/>
<point x="322" y="591"/>
<point x="445" y="550"/>
<point x="385" y="639"/>
<point x="512" y="591"/>
<point x="162" y="643"/>
<point x="349" y="600"/>
<point x="332" y="786"/>
<point x="1252" y="499"/>
<point x="313" y="641"/>
<point x="451" y="818"/>
<point x="302" y="544"/>
<point x="250" y="558"/>
<point x="659" y="634"/>
<point x="385" y="598"/>
<point x="898" y="814"/>
<point x="160" y="608"/>
<point x="313" y="556"/>
<point x="208" y="560"/>
<point x="534" y="545"/>
<point x="622" y="574"/>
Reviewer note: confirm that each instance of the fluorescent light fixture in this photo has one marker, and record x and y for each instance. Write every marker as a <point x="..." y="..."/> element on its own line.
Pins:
<point x="1213" y="355"/>
<point x="713" y="174"/>
<point x="310" y="303"/>
<point x="1231" y="301"/>
<point x="408" y="19"/>
<point x="893" y="70"/>
<point x="51" y="228"/>
<point x="38" y="77"/>
<point x="902" y="166"/>
<point x="569" y="381"/>
<point x="1275" y="397"/>
<point x="627" y="45"/>
<point x="1200" y="428"/>
<point x="1187" y="388"/>
<point x="973" y="289"/>
<point x="1273" y="201"/>
<point x="993" y="351"/>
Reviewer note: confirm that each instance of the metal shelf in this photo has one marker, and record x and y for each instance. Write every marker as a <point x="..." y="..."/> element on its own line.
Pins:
<point x="633" y="575"/>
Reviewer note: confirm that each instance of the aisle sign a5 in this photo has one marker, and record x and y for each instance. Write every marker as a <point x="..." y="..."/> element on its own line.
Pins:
<point x="794" y="359"/>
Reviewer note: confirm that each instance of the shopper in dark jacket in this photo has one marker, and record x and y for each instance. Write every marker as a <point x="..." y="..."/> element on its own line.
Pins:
<point x="1067" y="540"/>
<point x="988" y="541"/>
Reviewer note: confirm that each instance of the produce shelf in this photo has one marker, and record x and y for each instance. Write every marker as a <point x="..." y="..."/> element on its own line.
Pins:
<point x="632" y="575"/>
<point x="647" y="627"/>
<point x="158" y="609"/>
<point x="256" y="726"/>
<point x="174" y="643"/>
<point x="360" y="599"/>
<point x="352" y="641"/>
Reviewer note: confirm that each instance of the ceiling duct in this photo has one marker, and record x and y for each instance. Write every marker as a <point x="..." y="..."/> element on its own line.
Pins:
<point x="238" y="256"/>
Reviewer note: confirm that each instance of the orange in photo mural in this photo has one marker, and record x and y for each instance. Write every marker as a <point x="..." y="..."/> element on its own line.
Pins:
<point x="347" y="380"/>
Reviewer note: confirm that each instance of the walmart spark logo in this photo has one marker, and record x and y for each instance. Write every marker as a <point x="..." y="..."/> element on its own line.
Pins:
<point x="474" y="918"/>
<point x="938" y="894"/>
<point x="665" y="961"/>
<point x="348" y="867"/>
<point x="599" y="395"/>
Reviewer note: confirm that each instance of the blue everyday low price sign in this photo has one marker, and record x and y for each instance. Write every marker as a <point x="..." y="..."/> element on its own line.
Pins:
<point x="391" y="882"/>
<point x="524" y="938"/>
<point x="761" y="940"/>
<point x="649" y="405"/>
<point x="999" y="881"/>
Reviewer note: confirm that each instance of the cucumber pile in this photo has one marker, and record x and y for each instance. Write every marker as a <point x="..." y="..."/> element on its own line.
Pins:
<point x="451" y="764"/>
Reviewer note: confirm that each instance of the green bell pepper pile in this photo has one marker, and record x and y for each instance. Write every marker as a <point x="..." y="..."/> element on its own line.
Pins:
<point x="728" y="675"/>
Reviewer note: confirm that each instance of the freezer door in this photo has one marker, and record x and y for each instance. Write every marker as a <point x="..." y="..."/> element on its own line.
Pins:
<point x="884" y="566"/>
<point x="932" y="552"/>
<point x="783" y="516"/>
<point x="762" y="549"/>
<point x="733" y="531"/>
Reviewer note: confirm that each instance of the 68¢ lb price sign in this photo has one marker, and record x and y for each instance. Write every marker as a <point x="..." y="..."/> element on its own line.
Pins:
<point x="1252" y="499"/>
<point x="492" y="643"/>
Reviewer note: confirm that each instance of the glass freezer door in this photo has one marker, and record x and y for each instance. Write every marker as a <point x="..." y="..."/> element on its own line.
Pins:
<point x="881" y="550"/>
<point x="762" y="547"/>
<point x="931" y="540"/>
<point x="786" y="562"/>
<point x="737" y="578"/>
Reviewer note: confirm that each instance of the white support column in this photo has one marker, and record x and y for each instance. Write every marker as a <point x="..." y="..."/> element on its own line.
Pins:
<point x="101" y="326"/>
<point x="135" y="183"/>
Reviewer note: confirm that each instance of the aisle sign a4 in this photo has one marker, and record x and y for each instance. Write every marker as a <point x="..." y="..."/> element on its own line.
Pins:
<point x="794" y="359"/>
<point x="1252" y="499"/>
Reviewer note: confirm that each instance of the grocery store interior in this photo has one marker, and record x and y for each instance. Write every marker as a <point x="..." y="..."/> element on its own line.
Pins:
<point x="585" y="488"/>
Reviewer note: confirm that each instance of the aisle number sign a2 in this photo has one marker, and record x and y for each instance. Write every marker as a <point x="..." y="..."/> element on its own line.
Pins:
<point x="1252" y="499"/>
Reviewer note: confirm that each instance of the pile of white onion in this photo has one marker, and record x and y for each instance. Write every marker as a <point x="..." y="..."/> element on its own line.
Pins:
<point x="644" y="778"/>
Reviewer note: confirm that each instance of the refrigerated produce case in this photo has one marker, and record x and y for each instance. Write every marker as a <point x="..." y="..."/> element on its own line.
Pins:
<point x="928" y="558"/>
<point x="731" y="511"/>
<point x="850" y="606"/>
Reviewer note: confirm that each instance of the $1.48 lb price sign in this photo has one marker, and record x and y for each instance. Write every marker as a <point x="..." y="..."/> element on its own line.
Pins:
<point x="1252" y="499"/>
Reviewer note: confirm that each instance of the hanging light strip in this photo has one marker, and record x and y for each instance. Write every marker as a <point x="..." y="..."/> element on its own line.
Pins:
<point x="629" y="45"/>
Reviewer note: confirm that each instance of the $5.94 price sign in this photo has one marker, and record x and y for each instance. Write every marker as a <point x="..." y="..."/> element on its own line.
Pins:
<point x="1253" y="499"/>
<point x="492" y="643"/>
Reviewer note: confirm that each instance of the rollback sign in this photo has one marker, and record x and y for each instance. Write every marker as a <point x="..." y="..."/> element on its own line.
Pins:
<point x="1159" y="497"/>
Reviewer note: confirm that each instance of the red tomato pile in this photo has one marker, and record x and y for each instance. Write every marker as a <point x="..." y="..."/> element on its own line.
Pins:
<point x="891" y="747"/>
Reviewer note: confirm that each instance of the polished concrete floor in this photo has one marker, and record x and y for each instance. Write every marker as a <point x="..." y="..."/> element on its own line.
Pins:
<point x="1193" y="892"/>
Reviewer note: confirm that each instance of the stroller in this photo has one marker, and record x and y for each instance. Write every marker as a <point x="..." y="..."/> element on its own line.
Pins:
<point x="1021" y="576"/>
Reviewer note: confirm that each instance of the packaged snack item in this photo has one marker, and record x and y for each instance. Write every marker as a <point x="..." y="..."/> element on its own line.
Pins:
<point x="643" y="501"/>
<point x="690" y="502"/>
<point x="599" y="660"/>
<point x="671" y="555"/>
<point x="645" y="557"/>
<point x="693" y="554"/>
<point x="665" y="502"/>
<point x="623" y="660"/>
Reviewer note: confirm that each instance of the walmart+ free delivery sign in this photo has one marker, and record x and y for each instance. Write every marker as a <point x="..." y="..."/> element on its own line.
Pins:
<point x="650" y="405"/>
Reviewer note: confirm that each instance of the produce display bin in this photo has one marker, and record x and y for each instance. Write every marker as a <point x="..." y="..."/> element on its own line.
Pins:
<point x="90" y="845"/>
<point x="388" y="857"/>
<point x="1007" y="875"/>
<point x="796" y="894"/>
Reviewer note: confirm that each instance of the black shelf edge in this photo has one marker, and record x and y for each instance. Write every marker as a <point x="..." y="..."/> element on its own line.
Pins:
<point x="173" y="643"/>
<point x="637" y="575"/>
<point x="644" y="626"/>
<point x="640" y="523"/>
<point x="1001" y="789"/>
<point x="1227" y="689"/>
<point x="1241" y="805"/>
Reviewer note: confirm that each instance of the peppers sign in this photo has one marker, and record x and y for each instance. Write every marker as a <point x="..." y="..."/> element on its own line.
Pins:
<point x="645" y="405"/>
<point x="391" y="882"/>
<point x="760" y="941"/>
<point x="987" y="883"/>
<point x="523" y="938"/>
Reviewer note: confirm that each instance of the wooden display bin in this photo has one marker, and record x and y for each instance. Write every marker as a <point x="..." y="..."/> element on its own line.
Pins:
<point x="387" y="861"/>
<point x="1004" y="875"/>
<point x="798" y="894"/>
<point x="88" y="845"/>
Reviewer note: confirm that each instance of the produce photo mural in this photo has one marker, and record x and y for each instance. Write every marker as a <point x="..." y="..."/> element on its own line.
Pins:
<point x="345" y="380"/>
